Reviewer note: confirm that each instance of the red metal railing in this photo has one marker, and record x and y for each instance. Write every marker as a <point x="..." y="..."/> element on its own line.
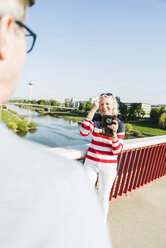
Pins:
<point x="142" y="162"/>
<point x="138" y="167"/>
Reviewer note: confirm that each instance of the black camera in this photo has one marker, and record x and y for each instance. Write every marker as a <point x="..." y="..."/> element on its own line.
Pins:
<point x="106" y="121"/>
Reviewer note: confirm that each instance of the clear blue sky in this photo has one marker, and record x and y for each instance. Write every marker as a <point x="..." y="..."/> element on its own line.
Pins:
<point x="85" y="47"/>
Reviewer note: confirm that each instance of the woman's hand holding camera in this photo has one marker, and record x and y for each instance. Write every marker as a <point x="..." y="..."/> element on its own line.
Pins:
<point x="114" y="128"/>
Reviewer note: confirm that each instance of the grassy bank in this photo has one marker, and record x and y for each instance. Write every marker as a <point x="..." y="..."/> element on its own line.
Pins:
<point x="143" y="126"/>
<point x="74" y="116"/>
<point x="16" y="122"/>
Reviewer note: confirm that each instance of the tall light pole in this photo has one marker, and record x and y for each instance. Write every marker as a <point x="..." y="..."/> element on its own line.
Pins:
<point x="30" y="90"/>
<point x="31" y="83"/>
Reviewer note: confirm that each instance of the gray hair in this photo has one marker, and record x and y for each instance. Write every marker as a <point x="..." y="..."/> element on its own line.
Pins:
<point x="114" y="104"/>
<point x="16" y="8"/>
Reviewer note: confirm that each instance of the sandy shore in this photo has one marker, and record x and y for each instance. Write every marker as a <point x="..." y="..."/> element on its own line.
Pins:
<point x="139" y="220"/>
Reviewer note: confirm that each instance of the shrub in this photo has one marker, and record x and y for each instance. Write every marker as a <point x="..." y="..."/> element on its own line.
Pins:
<point x="42" y="110"/>
<point x="129" y="127"/>
<point x="12" y="125"/>
<point x="22" y="117"/>
<point x="13" y="112"/>
<point x="138" y="134"/>
<point x="32" y="125"/>
<point x="162" y="121"/>
<point x="23" y="126"/>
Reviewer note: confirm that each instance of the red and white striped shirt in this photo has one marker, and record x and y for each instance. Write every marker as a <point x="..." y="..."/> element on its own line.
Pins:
<point x="102" y="149"/>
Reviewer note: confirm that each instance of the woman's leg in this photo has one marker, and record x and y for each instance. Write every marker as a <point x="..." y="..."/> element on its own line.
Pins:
<point x="106" y="179"/>
<point x="92" y="174"/>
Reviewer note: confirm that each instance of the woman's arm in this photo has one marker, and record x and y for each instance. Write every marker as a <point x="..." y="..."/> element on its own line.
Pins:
<point x="93" y="110"/>
<point x="87" y="125"/>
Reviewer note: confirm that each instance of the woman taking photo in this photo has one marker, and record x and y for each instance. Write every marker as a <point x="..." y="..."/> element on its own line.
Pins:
<point x="106" y="144"/>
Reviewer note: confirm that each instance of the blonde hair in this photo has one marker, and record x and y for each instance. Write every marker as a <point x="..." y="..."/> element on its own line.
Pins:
<point x="114" y="104"/>
<point x="16" y="8"/>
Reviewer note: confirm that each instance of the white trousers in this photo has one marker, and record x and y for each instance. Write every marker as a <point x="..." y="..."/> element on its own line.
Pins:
<point x="106" y="174"/>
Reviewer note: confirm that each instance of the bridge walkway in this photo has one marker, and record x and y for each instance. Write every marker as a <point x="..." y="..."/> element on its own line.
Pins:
<point x="138" y="220"/>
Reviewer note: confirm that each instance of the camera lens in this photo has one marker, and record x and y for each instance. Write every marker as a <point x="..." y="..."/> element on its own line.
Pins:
<point x="109" y="121"/>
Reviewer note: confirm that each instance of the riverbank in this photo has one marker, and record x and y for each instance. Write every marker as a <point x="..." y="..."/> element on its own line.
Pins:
<point x="16" y="122"/>
<point x="144" y="126"/>
<point x="74" y="116"/>
<point x="138" y="220"/>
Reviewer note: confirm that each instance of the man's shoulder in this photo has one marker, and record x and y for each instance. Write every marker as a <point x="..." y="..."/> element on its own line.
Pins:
<point x="21" y="152"/>
<point x="41" y="187"/>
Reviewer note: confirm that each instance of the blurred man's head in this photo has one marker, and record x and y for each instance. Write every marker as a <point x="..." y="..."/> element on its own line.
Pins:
<point x="12" y="44"/>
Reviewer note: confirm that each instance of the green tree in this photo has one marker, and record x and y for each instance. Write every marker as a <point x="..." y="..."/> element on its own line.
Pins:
<point x="162" y="121"/>
<point x="66" y="103"/>
<point x="122" y="107"/>
<point x="162" y="110"/>
<point x="118" y="99"/>
<point x="34" y="101"/>
<point x="155" y="115"/>
<point x="82" y="106"/>
<point x="88" y="106"/>
<point x="42" y="102"/>
<point x="143" y="113"/>
<point x="52" y="102"/>
<point x="58" y="104"/>
<point x="135" y="111"/>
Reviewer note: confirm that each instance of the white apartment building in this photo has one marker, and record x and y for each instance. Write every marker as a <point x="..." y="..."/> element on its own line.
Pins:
<point x="145" y="106"/>
<point x="75" y="103"/>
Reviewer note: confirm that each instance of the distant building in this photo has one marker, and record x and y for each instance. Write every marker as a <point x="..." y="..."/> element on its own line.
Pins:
<point x="158" y="106"/>
<point x="92" y="99"/>
<point x="145" y="106"/>
<point x="128" y="105"/>
<point x="74" y="103"/>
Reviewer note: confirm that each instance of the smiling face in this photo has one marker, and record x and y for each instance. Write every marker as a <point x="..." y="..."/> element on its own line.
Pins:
<point x="105" y="106"/>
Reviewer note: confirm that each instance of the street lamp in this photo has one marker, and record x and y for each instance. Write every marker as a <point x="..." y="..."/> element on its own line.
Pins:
<point x="31" y="83"/>
<point x="30" y="90"/>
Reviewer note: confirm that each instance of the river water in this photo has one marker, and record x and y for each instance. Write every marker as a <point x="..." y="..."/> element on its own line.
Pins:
<point x="51" y="131"/>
